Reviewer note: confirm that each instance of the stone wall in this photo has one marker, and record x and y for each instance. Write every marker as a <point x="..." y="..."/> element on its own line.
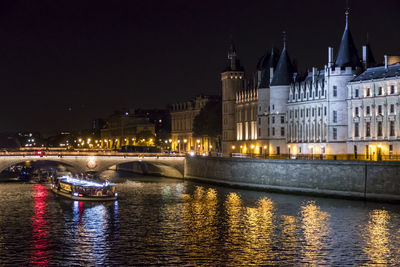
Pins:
<point x="352" y="179"/>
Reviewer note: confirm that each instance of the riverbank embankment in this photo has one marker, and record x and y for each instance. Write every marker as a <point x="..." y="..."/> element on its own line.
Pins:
<point x="378" y="181"/>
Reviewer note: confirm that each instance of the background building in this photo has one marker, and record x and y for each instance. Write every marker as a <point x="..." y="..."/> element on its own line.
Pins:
<point x="125" y="128"/>
<point x="183" y="137"/>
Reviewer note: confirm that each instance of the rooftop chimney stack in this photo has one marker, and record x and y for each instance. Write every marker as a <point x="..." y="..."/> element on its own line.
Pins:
<point x="271" y="74"/>
<point x="314" y="74"/>
<point x="364" y="56"/>
<point x="330" y="56"/>
<point x="386" y="61"/>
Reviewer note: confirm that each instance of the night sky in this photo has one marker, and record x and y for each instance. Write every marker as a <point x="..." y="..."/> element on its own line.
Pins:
<point x="64" y="63"/>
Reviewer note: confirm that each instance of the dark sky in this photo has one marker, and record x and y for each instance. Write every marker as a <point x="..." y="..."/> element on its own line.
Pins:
<point x="63" y="63"/>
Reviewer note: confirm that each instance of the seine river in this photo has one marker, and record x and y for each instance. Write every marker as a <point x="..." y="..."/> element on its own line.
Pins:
<point x="160" y="221"/>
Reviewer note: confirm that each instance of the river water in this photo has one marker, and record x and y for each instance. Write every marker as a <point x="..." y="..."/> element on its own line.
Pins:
<point x="162" y="221"/>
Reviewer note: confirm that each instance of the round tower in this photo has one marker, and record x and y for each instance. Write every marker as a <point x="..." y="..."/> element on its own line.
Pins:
<point x="279" y="92"/>
<point x="232" y="82"/>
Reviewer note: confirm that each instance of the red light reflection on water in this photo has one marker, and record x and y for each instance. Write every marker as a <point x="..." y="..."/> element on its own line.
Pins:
<point x="40" y="253"/>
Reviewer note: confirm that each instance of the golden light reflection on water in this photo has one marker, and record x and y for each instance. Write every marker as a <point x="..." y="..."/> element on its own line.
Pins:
<point x="315" y="225"/>
<point x="250" y="231"/>
<point x="376" y="237"/>
<point x="289" y="239"/>
<point x="200" y="224"/>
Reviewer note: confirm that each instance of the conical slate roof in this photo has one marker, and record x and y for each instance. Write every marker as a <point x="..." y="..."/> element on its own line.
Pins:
<point x="347" y="55"/>
<point x="283" y="74"/>
<point x="268" y="61"/>
<point x="370" y="57"/>
<point x="270" y="58"/>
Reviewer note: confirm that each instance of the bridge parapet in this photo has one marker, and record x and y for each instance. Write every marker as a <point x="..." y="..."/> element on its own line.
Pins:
<point x="97" y="162"/>
<point x="89" y="153"/>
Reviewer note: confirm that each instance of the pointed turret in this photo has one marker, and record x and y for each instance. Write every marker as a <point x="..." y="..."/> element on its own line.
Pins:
<point x="266" y="66"/>
<point x="283" y="74"/>
<point x="233" y="61"/>
<point x="347" y="55"/>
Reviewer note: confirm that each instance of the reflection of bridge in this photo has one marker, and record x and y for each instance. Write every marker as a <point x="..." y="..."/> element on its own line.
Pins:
<point x="152" y="163"/>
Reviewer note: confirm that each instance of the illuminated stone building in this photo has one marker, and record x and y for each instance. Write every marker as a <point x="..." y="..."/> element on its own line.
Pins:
<point x="312" y="114"/>
<point x="127" y="129"/>
<point x="373" y="113"/>
<point x="182" y="117"/>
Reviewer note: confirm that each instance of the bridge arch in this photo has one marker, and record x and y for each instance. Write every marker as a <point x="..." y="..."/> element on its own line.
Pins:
<point x="4" y="164"/>
<point x="154" y="165"/>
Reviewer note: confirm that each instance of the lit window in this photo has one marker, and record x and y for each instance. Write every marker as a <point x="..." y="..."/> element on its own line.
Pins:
<point x="356" y="129"/>
<point x="368" y="129"/>
<point x="379" y="128"/>
<point x="392" y="128"/>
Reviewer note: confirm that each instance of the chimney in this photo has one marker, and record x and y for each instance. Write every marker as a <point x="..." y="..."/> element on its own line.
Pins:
<point x="271" y="74"/>
<point x="330" y="56"/>
<point x="314" y="75"/>
<point x="386" y="61"/>
<point x="364" y="56"/>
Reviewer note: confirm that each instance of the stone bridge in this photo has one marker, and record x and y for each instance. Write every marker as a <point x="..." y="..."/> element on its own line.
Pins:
<point x="145" y="163"/>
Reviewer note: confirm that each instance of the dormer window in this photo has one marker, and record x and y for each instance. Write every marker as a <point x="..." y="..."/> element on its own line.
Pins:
<point x="368" y="92"/>
<point x="392" y="89"/>
<point x="356" y="93"/>
<point x="380" y="90"/>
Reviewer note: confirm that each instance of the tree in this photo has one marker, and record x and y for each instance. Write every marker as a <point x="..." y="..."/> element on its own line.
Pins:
<point x="209" y="121"/>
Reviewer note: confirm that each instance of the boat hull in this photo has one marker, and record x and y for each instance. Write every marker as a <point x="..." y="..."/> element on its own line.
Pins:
<point x="85" y="198"/>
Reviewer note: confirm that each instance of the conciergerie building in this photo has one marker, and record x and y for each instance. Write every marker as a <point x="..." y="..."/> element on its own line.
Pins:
<point x="349" y="109"/>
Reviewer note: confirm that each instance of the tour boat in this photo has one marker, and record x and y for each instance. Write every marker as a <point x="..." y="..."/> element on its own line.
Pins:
<point x="78" y="189"/>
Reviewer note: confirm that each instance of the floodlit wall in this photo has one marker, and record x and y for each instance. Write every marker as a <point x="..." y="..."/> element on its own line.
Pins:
<point x="353" y="179"/>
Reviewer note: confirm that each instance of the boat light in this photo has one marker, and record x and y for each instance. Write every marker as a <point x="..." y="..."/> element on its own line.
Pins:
<point x="76" y="194"/>
<point x="116" y="194"/>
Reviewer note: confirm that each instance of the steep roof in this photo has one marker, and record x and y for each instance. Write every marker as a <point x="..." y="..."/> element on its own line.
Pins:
<point x="347" y="55"/>
<point x="268" y="61"/>
<point x="283" y="74"/>
<point x="370" y="56"/>
<point x="233" y="63"/>
<point x="271" y="57"/>
<point x="379" y="73"/>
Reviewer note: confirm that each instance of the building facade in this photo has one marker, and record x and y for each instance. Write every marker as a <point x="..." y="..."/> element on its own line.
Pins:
<point x="373" y="113"/>
<point x="127" y="129"/>
<point x="183" y="139"/>
<point x="312" y="114"/>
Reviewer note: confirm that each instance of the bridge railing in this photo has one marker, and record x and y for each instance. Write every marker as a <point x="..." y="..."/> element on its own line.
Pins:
<point x="45" y="153"/>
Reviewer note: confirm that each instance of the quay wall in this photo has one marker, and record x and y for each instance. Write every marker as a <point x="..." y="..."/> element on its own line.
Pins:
<point x="350" y="179"/>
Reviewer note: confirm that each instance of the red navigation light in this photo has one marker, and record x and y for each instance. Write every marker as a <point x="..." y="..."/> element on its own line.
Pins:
<point x="39" y="153"/>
